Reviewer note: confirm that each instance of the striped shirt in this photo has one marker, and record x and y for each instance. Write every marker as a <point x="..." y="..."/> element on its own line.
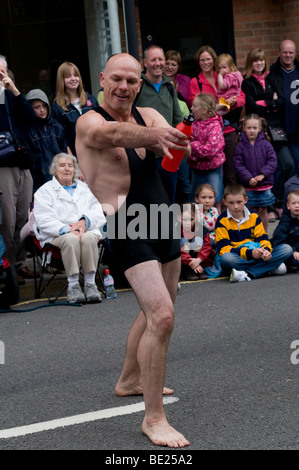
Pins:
<point x="240" y="236"/>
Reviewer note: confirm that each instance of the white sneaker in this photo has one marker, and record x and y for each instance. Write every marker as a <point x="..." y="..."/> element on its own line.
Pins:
<point x="75" y="294"/>
<point x="238" y="276"/>
<point x="282" y="269"/>
<point x="92" y="294"/>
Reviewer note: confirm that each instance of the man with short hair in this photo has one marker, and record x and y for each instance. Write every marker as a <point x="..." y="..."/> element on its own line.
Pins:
<point x="115" y="144"/>
<point x="155" y="91"/>
<point x="15" y="177"/>
<point x="158" y="92"/>
<point x="284" y="76"/>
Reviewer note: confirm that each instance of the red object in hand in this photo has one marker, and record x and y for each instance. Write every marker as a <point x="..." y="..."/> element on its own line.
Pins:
<point x="173" y="164"/>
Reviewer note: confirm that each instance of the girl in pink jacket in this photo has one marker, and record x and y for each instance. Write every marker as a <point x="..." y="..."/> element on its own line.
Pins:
<point x="229" y="81"/>
<point x="207" y="154"/>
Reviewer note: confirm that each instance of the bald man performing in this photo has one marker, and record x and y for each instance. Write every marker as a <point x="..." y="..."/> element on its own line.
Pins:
<point x="115" y="145"/>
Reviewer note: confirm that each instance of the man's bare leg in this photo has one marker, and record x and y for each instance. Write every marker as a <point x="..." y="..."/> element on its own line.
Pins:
<point x="129" y="382"/>
<point x="157" y="304"/>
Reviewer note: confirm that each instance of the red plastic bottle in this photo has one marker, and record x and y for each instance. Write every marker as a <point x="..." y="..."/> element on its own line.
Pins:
<point x="173" y="165"/>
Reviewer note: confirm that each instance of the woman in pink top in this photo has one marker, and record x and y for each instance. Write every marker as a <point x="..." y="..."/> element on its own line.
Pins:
<point x="206" y="81"/>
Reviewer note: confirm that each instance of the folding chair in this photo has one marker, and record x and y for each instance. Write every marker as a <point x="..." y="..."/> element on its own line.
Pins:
<point x="47" y="260"/>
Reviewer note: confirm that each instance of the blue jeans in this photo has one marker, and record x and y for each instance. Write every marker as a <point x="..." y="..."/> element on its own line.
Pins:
<point x="183" y="184"/>
<point x="213" y="177"/>
<point x="256" y="267"/>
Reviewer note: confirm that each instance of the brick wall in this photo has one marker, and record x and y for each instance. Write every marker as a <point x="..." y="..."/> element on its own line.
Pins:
<point x="257" y="23"/>
<point x="264" y="23"/>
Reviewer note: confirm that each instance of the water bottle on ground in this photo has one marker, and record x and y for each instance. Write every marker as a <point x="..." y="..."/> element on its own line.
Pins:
<point x="109" y="285"/>
<point x="173" y="165"/>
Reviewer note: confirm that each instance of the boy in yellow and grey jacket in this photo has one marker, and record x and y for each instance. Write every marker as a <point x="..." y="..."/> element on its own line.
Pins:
<point x="242" y="242"/>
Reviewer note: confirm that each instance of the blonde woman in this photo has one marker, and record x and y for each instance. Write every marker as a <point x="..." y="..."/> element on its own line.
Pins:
<point x="71" y="101"/>
<point x="263" y="97"/>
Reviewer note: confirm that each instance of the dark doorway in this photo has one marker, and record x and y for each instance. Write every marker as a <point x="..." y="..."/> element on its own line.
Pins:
<point x="39" y="35"/>
<point x="187" y="29"/>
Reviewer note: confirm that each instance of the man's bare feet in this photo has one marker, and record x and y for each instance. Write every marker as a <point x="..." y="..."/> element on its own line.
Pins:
<point x="162" y="434"/>
<point x="123" y="390"/>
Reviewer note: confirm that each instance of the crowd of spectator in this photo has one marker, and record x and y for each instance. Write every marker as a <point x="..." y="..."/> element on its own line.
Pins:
<point x="245" y="131"/>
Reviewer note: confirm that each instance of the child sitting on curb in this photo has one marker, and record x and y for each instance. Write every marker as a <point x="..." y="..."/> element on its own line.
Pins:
<point x="196" y="248"/>
<point x="204" y="198"/>
<point x="287" y="231"/>
<point x="242" y="242"/>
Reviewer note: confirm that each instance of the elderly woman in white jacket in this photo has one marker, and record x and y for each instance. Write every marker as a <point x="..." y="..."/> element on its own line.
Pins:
<point x="69" y="216"/>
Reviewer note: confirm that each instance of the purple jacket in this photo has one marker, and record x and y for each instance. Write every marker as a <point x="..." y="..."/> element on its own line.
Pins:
<point x="252" y="160"/>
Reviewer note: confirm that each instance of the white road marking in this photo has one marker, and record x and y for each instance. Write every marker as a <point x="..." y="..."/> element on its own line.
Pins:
<point x="77" y="419"/>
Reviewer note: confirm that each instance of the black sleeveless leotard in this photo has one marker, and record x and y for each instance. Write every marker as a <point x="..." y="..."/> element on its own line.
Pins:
<point x="136" y="233"/>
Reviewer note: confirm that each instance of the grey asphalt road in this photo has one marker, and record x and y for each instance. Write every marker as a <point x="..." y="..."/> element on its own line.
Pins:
<point x="229" y="362"/>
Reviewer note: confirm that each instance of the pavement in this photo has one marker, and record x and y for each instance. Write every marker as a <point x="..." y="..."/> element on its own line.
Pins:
<point x="233" y="362"/>
<point x="27" y="291"/>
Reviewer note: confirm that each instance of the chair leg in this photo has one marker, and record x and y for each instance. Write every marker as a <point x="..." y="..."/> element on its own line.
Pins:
<point x="43" y="283"/>
<point x="101" y="254"/>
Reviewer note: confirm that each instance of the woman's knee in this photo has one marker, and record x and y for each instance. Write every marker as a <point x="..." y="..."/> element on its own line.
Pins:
<point x="90" y="239"/>
<point x="71" y="239"/>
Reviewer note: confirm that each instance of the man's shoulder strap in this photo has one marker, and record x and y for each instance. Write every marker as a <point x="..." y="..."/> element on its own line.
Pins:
<point x="138" y="118"/>
<point x="136" y="114"/>
<point x="100" y="110"/>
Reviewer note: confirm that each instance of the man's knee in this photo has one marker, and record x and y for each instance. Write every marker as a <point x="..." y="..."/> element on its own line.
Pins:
<point x="163" y="320"/>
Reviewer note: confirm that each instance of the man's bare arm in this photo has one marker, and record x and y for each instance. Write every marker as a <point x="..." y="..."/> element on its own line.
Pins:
<point x="98" y="133"/>
<point x="155" y="119"/>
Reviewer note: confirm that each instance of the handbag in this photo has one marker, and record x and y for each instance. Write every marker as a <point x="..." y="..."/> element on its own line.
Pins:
<point x="278" y="135"/>
<point x="14" y="151"/>
<point x="23" y="152"/>
<point x="7" y="149"/>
